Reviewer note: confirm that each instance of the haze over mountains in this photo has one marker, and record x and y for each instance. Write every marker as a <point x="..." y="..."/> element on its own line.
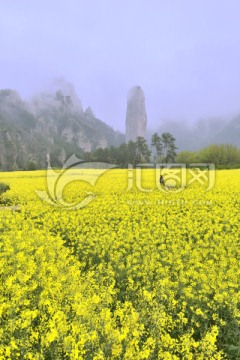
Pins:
<point x="51" y="123"/>
<point x="55" y="123"/>
<point x="201" y="133"/>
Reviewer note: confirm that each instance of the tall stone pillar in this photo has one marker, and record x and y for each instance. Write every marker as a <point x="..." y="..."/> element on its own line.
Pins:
<point x="136" y="116"/>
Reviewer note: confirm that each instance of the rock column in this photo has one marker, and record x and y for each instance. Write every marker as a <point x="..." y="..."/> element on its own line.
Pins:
<point x="136" y="117"/>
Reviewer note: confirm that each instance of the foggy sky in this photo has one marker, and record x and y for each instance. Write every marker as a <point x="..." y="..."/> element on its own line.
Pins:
<point x="185" y="54"/>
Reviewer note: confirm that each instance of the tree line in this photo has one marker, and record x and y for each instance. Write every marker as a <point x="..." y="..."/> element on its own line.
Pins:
<point x="163" y="150"/>
<point x="222" y="155"/>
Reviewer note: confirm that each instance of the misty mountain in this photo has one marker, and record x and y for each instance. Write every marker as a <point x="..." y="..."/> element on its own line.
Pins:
<point x="51" y="123"/>
<point x="202" y="132"/>
<point x="231" y="132"/>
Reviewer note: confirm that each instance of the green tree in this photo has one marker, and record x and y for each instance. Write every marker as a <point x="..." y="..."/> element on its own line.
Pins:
<point x="158" y="147"/>
<point x="169" y="147"/>
<point x="231" y="154"/>
<point x="142" y="151"/>
<point x="132" y="153"/>
<point x="220" y="154"/>
<point x="187" y="157"/>
<point x="31" y="165"/>
<point x="101" y="155"/>
<point x="121" y="158"/>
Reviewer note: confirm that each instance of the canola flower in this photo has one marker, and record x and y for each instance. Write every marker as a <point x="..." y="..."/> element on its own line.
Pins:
<point x="135" y="274"/>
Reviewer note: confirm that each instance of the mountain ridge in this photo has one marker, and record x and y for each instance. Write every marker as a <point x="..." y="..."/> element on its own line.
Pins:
<point x="52" y="123"/>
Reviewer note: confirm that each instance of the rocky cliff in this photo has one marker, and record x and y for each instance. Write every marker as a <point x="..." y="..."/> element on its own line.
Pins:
<point x="51" y="123"/>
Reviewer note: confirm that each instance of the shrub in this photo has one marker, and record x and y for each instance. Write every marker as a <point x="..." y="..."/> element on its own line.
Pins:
<point x="3" y="188"/>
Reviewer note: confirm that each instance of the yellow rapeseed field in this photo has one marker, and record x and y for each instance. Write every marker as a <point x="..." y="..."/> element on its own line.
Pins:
<point x="134" y="273"/>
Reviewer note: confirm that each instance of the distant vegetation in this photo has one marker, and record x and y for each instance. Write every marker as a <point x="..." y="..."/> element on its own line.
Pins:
<point x="3" y="188"/>
<point x="54" y="126"/>
<point x="163" y="150"/>
<point x="223" y="156"/>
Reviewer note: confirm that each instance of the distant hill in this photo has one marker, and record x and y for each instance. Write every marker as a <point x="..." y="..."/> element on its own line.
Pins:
<point x="51" y="123"/>
<point x="231" y="132"/>
<point x="202" y="132"/>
